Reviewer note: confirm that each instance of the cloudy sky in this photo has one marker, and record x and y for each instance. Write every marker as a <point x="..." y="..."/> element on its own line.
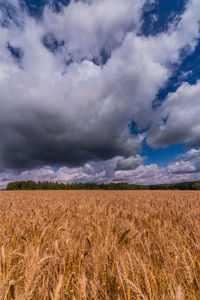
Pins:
<point x="100" y="90"/>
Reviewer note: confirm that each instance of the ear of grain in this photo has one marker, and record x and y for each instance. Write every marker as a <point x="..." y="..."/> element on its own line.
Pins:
<point x="179" y="295"/>
<point x="58" y="288"/>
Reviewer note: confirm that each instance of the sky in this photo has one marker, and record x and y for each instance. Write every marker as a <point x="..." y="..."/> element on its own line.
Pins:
<point x="100" y="91"/>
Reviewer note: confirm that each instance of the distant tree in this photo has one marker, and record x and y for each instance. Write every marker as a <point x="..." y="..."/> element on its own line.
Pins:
<point x="46" y="185"/>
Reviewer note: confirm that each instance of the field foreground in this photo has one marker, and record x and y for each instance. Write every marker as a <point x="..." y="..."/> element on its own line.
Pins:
<point x="99" y="245"/>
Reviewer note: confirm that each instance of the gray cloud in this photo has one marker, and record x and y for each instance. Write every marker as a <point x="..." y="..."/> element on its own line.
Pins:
<point x="181" y="111"/>
<point x="67" y="114"/>
<point x="94" y="171"/>
<point x="129" y="163"/>
<point x="101" y="27"/>
<point x="186" y="163"/>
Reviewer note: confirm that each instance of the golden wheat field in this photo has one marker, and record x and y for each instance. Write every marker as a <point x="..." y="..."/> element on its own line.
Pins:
<point x="99" y="245"/>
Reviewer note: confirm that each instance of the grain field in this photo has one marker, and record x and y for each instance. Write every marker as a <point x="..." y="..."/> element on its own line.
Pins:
<point x="99" y="245"/>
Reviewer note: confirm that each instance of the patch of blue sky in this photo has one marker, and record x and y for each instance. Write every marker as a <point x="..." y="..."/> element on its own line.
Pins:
<point x="16" y="53"/>
<point x="162" y="157"/>
<point x="190" y="66"/>
<point x="188" y="71"/>
<point x="35" y="7"/>
<point x="55" y="169"/>
<point x="133" y="128"/>
<point x="157" y="16"/>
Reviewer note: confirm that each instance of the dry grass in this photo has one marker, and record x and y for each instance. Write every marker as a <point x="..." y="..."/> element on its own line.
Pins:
<point x="100" y="245"/>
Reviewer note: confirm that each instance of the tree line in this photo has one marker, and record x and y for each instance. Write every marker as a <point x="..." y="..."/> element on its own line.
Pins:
<point x="48" y="185"/>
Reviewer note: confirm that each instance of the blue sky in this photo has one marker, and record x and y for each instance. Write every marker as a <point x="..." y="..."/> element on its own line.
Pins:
<point x="98" y="91"/>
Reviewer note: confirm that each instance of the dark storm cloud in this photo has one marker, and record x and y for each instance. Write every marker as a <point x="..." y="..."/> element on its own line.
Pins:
<point x="33" y="138"/>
